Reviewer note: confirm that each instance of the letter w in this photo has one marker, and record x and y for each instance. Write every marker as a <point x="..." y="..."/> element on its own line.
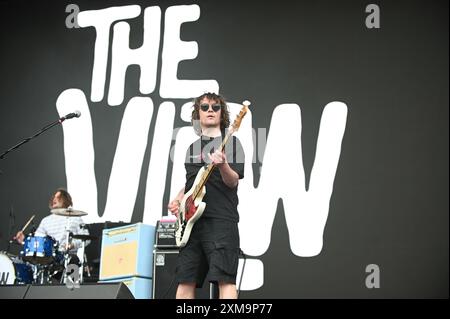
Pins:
<point x="283" y="177"/>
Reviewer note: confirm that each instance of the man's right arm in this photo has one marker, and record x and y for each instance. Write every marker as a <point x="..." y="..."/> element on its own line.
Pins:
<point x="20" y="237"/>
<point x="174" y="205"/>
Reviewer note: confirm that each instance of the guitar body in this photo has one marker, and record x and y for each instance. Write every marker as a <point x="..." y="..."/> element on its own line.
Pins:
<point x="190" y="211"/>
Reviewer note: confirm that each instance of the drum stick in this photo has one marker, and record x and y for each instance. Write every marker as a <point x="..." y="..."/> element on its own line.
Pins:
<point x="28" y="223"/>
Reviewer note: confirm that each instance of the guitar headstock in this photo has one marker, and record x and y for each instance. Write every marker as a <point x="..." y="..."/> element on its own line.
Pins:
<point x="240" y="116"/>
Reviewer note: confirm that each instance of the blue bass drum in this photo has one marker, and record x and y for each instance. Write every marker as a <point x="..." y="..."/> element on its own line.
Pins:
<point x="14" y="271"/>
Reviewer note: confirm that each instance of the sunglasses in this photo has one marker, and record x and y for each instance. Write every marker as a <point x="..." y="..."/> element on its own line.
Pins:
<point x="215" y="107"/>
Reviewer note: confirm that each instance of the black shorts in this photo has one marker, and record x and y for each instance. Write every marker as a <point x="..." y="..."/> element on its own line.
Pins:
<point x="211" y="252"/>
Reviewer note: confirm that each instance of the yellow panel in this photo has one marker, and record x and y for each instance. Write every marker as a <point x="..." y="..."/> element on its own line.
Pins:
<point x="119" y="259"/>
<point x="121" y="231"/>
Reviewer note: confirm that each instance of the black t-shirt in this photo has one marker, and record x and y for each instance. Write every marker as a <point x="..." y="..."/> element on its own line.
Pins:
<point x="221" y="200"/>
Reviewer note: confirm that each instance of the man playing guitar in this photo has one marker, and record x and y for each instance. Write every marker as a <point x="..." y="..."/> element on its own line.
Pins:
<point x="212" y="249"/>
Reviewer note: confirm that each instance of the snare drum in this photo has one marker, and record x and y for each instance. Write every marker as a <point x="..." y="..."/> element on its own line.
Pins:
<point x="14" y="271"/>
<point x="39" y="250"/>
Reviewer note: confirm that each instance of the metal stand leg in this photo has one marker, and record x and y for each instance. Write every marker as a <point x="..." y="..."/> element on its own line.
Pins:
<point x="66" y="252"/>
<point x="81" y="269"/>
<point x="88" y="271"/>
<point x="66" y="263"/>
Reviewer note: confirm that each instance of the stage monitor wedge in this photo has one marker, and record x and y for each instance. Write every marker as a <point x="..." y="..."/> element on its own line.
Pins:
<point x="86" y="291"/>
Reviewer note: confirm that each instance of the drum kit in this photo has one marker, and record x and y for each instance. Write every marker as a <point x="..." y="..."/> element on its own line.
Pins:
<point x="43" y="260"/>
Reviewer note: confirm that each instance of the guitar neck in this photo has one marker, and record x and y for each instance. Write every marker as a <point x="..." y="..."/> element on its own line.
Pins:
<point x="208" y="171"/>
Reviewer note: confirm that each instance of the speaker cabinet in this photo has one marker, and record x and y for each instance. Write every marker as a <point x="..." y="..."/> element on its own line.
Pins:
<point x="13" y="291"/>
<point x="164" y="285"/>
<point x="86" y="291"/>
<point x="127" y="252"/>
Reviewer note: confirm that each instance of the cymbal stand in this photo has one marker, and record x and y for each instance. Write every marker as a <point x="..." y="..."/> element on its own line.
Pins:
<point x="66" y="251"/>
<point x="81" y="270"/>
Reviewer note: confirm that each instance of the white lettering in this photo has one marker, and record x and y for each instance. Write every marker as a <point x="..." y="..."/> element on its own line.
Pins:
<point x="157" y="168"/>
<point x="175" y="50"/>
<point x="146" y="56"/>
<point x="283" y="177"/>
<point x="126" y="170"/>
<point x="102" y="20"/>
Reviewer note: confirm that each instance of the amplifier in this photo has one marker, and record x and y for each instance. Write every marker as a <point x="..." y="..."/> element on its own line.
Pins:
<point x="164" y="285"/>
<point x="127" y="252"/>
<point x="165" y="234"/>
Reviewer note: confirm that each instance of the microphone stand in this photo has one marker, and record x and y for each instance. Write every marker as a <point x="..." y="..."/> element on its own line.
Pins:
<point x="45" y="128"/>
<point x="12" y="222"/>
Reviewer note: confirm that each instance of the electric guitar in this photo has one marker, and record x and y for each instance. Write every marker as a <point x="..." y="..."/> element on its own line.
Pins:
<point x="191" y="206"/>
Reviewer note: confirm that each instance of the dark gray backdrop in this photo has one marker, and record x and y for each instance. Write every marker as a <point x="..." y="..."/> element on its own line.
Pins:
<point x="390" y="200"/>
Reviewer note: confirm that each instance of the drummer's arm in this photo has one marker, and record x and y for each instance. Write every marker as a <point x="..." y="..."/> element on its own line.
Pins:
<point x="19" y="237"/>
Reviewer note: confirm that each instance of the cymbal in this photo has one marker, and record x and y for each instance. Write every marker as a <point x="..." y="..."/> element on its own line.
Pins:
<point x="68" y="212"/>
<point x="84" y="237"/>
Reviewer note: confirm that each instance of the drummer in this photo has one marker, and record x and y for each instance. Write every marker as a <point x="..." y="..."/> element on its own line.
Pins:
<point x="55" y="225"/>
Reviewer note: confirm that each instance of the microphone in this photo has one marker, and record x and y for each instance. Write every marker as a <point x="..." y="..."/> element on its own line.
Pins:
<point x="70" y="115"/>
